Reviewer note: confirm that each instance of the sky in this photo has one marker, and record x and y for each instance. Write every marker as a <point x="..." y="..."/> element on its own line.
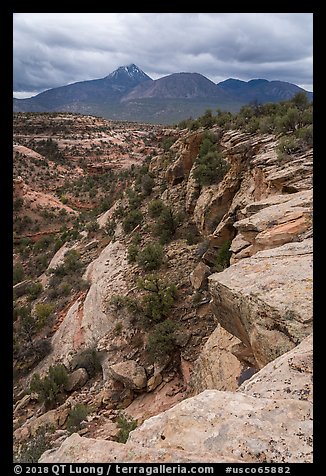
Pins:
<point x="55" y="49"/>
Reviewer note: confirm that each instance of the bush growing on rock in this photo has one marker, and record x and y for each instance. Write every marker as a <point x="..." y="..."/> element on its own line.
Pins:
<point x="110" y="227"/>
<point x="126" y="425"/>
<point x="287" y="146"/>
<point x="119" y="302"/>
<point x="92" y="226"/>
<point x="76" y="416"/>
<point x="50" y="389"/>
<point x="210" y="168"/>
<point x="133" y="251"/>
<point x="147" y="184"/>
<point x="223" y="256"/>
<point x="155" y="208"/>
<point x="89" y="360"/>
<point x="161" y="340"/>
<point x="134" y="218"/>
<point x="166" y="225"/>
<point x="151" y="257"/>
<point x="34" y="290"/>
<point x="18" y="273"/>
<point x="159" y="299"/>
<point x="43" y="311"/>
<point x="32" y="450"/>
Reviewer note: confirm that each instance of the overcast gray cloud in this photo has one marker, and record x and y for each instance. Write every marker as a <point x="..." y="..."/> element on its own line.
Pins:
<point x="53" y="49"/>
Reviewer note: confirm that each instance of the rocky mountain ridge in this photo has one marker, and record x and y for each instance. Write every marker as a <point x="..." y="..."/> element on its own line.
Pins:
<point x="130" y="94"/>
<point x="255" y="315"/>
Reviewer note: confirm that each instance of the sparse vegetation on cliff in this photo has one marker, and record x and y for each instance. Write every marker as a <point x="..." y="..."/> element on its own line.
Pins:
<point x="294" y="116"/>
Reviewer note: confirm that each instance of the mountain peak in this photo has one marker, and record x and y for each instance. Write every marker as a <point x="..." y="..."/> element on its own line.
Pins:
<point x="131" y="71"/>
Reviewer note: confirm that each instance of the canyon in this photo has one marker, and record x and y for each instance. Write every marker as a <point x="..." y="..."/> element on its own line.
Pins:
<point x="236" y="386"/>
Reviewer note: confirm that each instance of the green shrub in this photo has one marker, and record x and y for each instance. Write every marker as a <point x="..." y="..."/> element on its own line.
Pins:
<point x="71" y="264"/>
<point x="28" y="324"/>
<point x="147" y="184"/>
<point x="18" y="203"/>
<point x="110" y="227"/>
<point x="126" y="425"/>
<point x="159" y="299"/>
<point x="306" y="135"/>
<point x="76" y="416"/>
<point x="166" y="225"/>
<point x="288" y="146"/>
<point x="134" y="218"/>
<point x="92" y="226"/>
<point x="118" y="328"/>
<point x="133" y="251"/>
<point x="18" y="273"/>
<point x="210" y="168"/>
<point x="151" y="257"/>
<point x="223" y="256"/>
<point x="119" y="212"/>
<point x="51" y="387"/>
<point x="42" y="312"/>
<point x="43" y="243"/>
<point x="155" y="208"/>
<point x="161" y="340"/>
<point x="89" y="360"/>
<point x="167" y="142"/>
<point x="63" y="199"/>
<point x="119" y="302"/>
<point x="134" y="199"/>
<point x="136" y="239"/>
<point x="34" y="290"/>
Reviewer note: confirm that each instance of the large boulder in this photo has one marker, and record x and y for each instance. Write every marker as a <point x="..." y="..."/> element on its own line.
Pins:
<point x="216" y="367"/>
<point x="76" y="379"/>
<point x="131" y="374"/>
<point x="199" y="275"/>
<point x="88" y="319"/>
<point x="266" y="300"/>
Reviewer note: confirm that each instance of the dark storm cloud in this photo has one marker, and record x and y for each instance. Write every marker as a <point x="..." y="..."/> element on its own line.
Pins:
<point x="52" y="49"/>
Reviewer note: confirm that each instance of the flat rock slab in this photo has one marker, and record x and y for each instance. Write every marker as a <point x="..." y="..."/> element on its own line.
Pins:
<point x="251" y="429"/>
<point x="76" y="449"/>
<point x="289" y="376"/>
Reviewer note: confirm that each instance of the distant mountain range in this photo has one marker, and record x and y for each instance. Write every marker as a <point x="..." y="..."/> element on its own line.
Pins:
<point x="130" y="94"/>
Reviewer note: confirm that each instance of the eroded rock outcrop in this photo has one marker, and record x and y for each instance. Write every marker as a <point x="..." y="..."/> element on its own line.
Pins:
<point x="187" y="151"/>
<point x="261" y="422"/>
<point x="266" y="300"/>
